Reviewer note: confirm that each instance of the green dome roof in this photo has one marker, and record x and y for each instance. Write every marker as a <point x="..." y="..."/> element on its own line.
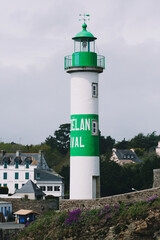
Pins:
<point x="84" y="34"/>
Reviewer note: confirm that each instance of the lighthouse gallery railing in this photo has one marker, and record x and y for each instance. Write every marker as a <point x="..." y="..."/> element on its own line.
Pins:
<point x="68" y="61"/>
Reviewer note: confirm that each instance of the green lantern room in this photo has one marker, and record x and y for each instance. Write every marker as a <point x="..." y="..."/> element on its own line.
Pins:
<point x="84" y="49"/>
<point x="84" y="52"/>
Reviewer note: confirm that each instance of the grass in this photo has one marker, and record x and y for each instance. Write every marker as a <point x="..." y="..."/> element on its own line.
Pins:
<point x="78" y="222"/>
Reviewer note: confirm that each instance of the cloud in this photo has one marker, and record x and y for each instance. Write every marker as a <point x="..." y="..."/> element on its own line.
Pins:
<point x="132" y="90"/>
<point x="35" y="90"/>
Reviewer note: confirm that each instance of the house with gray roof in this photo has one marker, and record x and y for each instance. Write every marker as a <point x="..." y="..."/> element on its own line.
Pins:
<point x="17" y="168"/>
<point x="124" y="156"/>
<point x="30" y="191"/>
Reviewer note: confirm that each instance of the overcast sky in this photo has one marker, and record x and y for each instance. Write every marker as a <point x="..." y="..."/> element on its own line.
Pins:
<point x="35" y="35"/>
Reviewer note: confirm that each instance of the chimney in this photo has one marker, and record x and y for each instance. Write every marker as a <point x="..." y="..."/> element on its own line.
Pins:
<point x="114" y="149"/>
<point x="18" y="153"/>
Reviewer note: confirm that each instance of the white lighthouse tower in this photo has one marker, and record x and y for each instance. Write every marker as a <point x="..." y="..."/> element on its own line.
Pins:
<point x="84" y="66"/>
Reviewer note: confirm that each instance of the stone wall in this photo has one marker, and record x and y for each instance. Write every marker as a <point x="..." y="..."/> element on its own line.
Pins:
<point x="156" y="178"/>
<point x="70" y="205"/>
<point x="37" y="205"/>
<point x="6" y="233"/>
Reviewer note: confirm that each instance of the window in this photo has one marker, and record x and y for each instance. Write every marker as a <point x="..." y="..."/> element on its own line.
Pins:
<point x="5" y="185"/>
<point x="94" y="127"/>
<point x="5" y="211"/>
<point x="27" y="175"/>
<point x="16" y="186"/>
<point x="49" y="188"/>
<point x="5" y="164"/>
<point x="43" y="188"/>
<point x="4" y="175"/>
<point x="27" y="164"/>
<point x="16" y="165"/>
<point x="9" y="209"/>
<point x="57" y="188"/>
<point x="84" y="46"/>
<point x="37" y="175"/>
<point x="16" y="175"/>
<point x="132" y="156"/>
<point x="0" y="184"/>
<point x="124" y="156"/>
<point x="94" y="89"/>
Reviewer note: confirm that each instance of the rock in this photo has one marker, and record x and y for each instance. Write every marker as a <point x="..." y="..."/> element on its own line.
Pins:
<point x="141" y="226"/>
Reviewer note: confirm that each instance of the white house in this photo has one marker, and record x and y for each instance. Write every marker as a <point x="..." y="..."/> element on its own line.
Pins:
<point x="124" y="156"/>
<point x="17" y="168"/>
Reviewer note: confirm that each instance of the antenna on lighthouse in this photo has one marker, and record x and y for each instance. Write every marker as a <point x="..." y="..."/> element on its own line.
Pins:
<point x="84" y="17"/>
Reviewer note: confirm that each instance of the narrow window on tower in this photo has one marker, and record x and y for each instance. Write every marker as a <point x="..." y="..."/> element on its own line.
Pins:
<point x="95" y="90"/>
<point x="94" y="127"/>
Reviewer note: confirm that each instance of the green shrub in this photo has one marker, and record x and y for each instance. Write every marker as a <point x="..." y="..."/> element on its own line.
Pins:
<point x="3" y="190"/>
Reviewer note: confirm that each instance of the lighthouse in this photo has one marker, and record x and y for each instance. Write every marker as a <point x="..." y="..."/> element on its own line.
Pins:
<point x="84" y="66"/>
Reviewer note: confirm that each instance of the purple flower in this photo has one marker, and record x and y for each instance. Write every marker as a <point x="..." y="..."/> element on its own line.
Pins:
<point x="73" y="217"/>
<point x="116" y="206"/>
<point x="75" y="212"/>
<point x="107" y="207"/>
<point x="151" y="198"/>
<point x="27" y="224"/>
<point x="108" y="216"/>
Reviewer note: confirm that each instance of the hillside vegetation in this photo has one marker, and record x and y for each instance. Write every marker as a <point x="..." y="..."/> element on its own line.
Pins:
<point x="134" y="221"/>
<point x="115" y="179"/>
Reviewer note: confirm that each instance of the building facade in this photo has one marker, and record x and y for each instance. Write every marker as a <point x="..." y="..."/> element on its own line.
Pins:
<point x="17" y="168"/>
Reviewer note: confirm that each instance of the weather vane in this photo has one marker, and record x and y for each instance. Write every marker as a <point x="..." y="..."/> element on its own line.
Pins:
<point x="84" y="17"/>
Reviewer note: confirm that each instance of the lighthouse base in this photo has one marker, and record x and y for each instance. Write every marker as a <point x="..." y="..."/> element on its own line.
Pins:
<point x="84" y="178"/>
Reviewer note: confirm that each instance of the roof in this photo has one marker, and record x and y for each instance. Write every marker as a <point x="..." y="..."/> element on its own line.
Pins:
<point x="30" y="187"/>
<point x="84" y="34"/>
<point x="1" y="202"/>
<point x="25" y="212"/>
<point x="32" y="158"/>
<point x="11" y="158"/>
<point x="46" y="175"/>
<point x="127" y="155"/>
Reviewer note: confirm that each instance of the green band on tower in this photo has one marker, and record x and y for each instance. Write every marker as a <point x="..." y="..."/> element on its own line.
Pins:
<point x="84" y="135"/>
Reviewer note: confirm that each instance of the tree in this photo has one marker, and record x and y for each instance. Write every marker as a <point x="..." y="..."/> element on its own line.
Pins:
<point x="111" y="175"/>
<point x="122" y="145"/>
<point x="117" y="179"/>
<point x="61" y="139"/>
<point x="51" y="141"/>
<point x="147" y="143"/>
<point x="106" y="144"/>
<point x="65" y="173"/>
<point x="62" y="136"/>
